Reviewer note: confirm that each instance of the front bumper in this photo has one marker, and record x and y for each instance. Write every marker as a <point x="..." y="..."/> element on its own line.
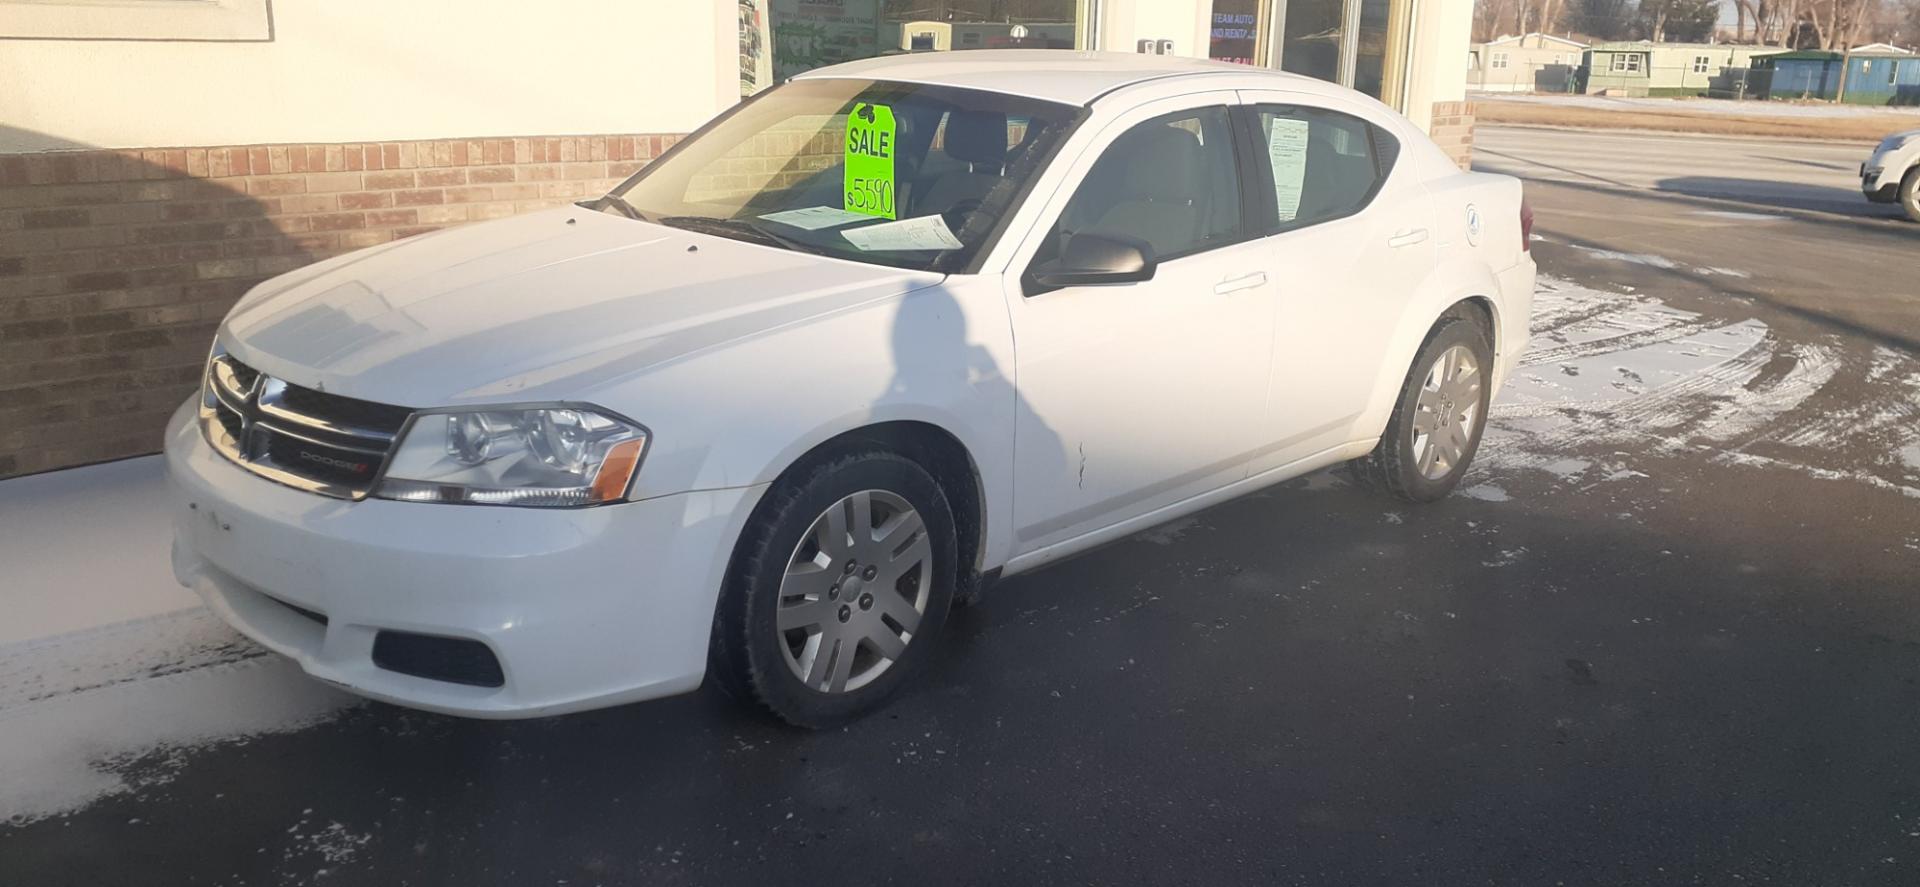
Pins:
<point x="582" y="608"/>
<point x="1877" y="185"/>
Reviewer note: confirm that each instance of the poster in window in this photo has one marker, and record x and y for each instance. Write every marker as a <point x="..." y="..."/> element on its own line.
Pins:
<point x="1287" y="156"/>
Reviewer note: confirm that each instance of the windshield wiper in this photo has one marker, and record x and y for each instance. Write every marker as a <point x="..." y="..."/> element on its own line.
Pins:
<point x="732" y="227"/>
<point x="619" y="203"/>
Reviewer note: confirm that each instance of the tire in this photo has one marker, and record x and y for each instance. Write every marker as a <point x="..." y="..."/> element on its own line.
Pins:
<point x="1399" y="465"/>
<point x="851" y="638"/>
<point x="1910" y="194"/>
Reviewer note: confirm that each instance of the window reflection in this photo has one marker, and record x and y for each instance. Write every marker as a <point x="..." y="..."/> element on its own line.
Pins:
<point x="1311" y="38"/>
<point x="808" y="34"/>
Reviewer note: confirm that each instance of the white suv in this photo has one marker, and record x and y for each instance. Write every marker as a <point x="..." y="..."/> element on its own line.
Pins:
<point x="1892" y="174"/>
<point x="844" y="355"/>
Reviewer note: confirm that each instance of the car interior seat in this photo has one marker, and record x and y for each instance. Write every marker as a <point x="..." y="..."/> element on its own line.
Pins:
<point x="979" y="140"/>
<point x="1159" y="185"/>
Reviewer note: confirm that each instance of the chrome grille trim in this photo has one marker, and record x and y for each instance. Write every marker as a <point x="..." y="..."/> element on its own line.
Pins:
<point x="337" y="458"/>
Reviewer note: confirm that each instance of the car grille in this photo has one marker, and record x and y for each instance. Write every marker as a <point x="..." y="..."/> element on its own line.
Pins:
<point x="301" y="437"/>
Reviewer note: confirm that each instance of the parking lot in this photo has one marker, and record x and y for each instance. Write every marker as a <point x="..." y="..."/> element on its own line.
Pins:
<point x="1666" y="633"/>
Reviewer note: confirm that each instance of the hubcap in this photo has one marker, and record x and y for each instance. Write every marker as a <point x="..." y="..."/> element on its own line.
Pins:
<point x="854" y="592"/>
<point x="1446" y="412"/>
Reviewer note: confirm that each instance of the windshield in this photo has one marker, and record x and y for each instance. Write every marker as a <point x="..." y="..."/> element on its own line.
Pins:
<point x="901" y="174"/>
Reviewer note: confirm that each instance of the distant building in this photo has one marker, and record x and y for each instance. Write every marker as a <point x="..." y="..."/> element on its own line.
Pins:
<point x="1873" y="78"/>
<point x="1882" y="49"/>
<point x="1527" y="63"/>
<point x="1645" y="68"/>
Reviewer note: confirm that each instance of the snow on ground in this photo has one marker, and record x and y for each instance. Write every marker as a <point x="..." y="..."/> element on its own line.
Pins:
<point x="64" y="752"/>
<point x="1768" y="108"/>
<point x="108" y="668"/>
<point x="86" y="547"/>
<point x="1624" y="373"/>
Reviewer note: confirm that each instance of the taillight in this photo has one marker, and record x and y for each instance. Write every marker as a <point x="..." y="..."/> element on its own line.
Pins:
<point x="1526" y="225"/>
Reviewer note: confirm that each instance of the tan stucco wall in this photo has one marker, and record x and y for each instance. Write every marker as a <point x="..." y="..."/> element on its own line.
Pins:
<point x="364" y="70"/>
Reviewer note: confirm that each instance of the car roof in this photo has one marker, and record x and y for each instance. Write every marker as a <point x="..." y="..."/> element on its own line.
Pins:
<point x="1056" y="75"/>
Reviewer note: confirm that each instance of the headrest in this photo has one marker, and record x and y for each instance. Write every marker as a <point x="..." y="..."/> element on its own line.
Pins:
<point x="1163" y="163"/>
<point x="977" y="137"/>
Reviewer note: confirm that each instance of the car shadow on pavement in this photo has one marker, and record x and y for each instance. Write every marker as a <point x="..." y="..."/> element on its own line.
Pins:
<point x="1781" y="195"/>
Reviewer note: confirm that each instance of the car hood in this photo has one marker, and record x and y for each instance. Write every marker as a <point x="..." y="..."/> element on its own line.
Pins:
<point x="546" y="306"/>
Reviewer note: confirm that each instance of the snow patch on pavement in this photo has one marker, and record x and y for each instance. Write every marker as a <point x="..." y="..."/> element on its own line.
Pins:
<point x="129" y="651"/>
<point x="1737" y="216"/>
<point x="1486" y="493"/>
<point x="1634" y="258"/>
<point x="64" y="752"/>
<point x="111" y="674"/>
<point x="1626" y="373"/>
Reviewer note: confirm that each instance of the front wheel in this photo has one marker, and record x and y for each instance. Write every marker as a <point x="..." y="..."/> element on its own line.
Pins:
<point x="839" y="586"/>
<point x="1437" y="420"/>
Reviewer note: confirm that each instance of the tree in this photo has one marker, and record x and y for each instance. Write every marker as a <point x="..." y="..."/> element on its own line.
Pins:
<point x="1601" y="19"/>
<point x="1681" y="21"/>
<point x="1498" y="18"/>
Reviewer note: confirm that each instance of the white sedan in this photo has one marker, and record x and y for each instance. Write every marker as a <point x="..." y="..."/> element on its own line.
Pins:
<point x="841" y="358"/>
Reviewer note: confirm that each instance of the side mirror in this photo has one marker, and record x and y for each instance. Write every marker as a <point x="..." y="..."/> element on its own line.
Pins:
<point x="1096" y="260"/>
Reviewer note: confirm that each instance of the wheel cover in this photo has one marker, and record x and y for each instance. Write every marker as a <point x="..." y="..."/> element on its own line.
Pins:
<point x="1446" y="412"/>
<point x="854" y="592"/>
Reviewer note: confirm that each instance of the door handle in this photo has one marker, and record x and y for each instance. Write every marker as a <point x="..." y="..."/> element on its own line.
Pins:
<point x="1243" y="282"/>
<point x="1407" y="237"/>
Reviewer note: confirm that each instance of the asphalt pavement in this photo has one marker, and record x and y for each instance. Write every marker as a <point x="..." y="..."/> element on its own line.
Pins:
<point x="1666" y="633"/>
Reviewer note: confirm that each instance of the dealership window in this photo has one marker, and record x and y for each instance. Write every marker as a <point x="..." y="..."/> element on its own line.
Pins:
<point x="783" y="38"/>
<point x="1626" y="62"/>
<point x="1701" y="63"/>
<point x="1357" y="43"/>
<point x="1235" y="32"/>
<point x="1499" y="60"/>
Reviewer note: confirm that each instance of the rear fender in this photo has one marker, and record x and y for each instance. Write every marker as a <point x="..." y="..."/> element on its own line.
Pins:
<point x="1453" y="282"/>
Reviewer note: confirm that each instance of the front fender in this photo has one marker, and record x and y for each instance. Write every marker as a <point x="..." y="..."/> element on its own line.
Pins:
<point x="743" y="414"/>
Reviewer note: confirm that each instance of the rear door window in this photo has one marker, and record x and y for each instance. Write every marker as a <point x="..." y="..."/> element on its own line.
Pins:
<point x="1316" y="165"/>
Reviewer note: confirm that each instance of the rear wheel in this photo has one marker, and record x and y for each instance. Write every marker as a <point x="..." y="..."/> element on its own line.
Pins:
<point x="838" y="588"/>
<point x="1910" y="194"/>
<point x="1437" y="421"/>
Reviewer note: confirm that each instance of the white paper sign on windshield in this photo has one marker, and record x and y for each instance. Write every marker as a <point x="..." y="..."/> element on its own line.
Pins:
<point x="1287" y="155"/>
<point x="923" y="232"/>
<point x="813" y="218"/>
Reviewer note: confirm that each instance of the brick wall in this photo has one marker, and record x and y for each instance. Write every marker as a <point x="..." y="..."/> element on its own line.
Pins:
<point x="115" y="266"/>
<point x="1452" y="128"/>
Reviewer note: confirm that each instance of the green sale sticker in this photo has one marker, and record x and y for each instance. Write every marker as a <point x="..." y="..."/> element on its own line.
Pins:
<point x="869" y="161"/>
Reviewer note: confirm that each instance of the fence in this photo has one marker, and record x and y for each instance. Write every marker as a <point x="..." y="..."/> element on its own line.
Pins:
<point x="1741" y="83"/>
<point x="1520" y="76"/>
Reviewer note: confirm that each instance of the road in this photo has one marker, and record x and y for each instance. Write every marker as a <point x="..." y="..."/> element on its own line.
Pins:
<point x="1665" y="634"/>
<point x="1786" y="216"/>
<point x="1767" y="173"/>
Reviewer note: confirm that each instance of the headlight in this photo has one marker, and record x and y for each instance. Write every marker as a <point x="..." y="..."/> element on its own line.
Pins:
<point x="551" y="456"/>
